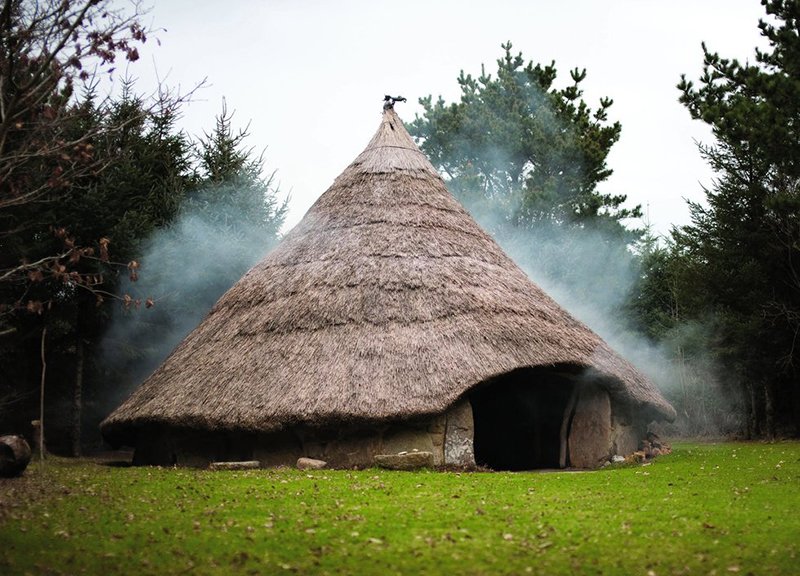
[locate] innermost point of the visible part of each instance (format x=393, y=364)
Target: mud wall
x=447, y=436
x=598, y=428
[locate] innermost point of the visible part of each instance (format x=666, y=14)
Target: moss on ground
x=706, y=509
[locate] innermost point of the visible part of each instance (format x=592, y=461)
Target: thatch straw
x=387, y=301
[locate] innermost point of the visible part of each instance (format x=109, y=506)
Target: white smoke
x=185, y=269
x=592, y=272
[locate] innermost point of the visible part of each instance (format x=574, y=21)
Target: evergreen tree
x=232, y=193
x=54, y=248
x=525, y=158
x=652, y=306
x=46, y=48
x=145, y=171
x=742, y=249
x=536, y=151
x=230, y=218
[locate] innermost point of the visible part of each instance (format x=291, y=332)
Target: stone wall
x=589, y=440
x=598, y=430
x=159, y=446
x=627, y=430
x=601, y=428
x=447, y=436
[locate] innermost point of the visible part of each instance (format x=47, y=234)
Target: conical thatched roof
x=386, y=301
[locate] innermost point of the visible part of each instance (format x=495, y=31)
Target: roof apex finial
x=388, y=101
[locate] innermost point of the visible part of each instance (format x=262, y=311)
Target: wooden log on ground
x=15, y=454
x=245, y=465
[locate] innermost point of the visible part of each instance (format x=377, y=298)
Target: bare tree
x=46, y=48
x=49, y=51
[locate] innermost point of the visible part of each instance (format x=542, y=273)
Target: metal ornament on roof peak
x=388, y=101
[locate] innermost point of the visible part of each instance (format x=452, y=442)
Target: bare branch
x=25, y=267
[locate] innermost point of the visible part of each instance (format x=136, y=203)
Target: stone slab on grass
x=405, y=460
x=310, y=464
x=245, y=465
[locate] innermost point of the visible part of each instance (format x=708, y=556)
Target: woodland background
x=118, y=231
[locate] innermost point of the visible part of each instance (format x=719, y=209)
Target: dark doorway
x=518, y=419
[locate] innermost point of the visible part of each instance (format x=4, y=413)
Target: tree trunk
x=769, y=410
x=40, y=439
x=796, y=405
x=77, y=400
x=750, y=410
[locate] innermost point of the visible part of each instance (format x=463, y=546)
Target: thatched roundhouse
x=387, y=320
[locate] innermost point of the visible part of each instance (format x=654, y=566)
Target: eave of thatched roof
x=387, y=301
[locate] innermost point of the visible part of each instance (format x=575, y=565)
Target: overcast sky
x=309, y=76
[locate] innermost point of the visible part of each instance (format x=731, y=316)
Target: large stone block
x=405, y=460
x=437, y=428
x=356, y=450
x=627, y=431
x=625, y=438
x=590, y=432
x=402, y=439
x=310, y=464
x=459, y=433
x=437, y=424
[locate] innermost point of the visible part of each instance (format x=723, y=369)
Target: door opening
x=522, y=419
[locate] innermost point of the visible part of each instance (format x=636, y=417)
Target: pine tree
x=525, y=157
x=742, y=247
x=110, y=212
x=536, y=152
x=230, y=217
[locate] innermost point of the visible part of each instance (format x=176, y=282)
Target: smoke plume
x=185, y=268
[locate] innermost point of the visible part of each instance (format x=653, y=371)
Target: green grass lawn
x=731, y=508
